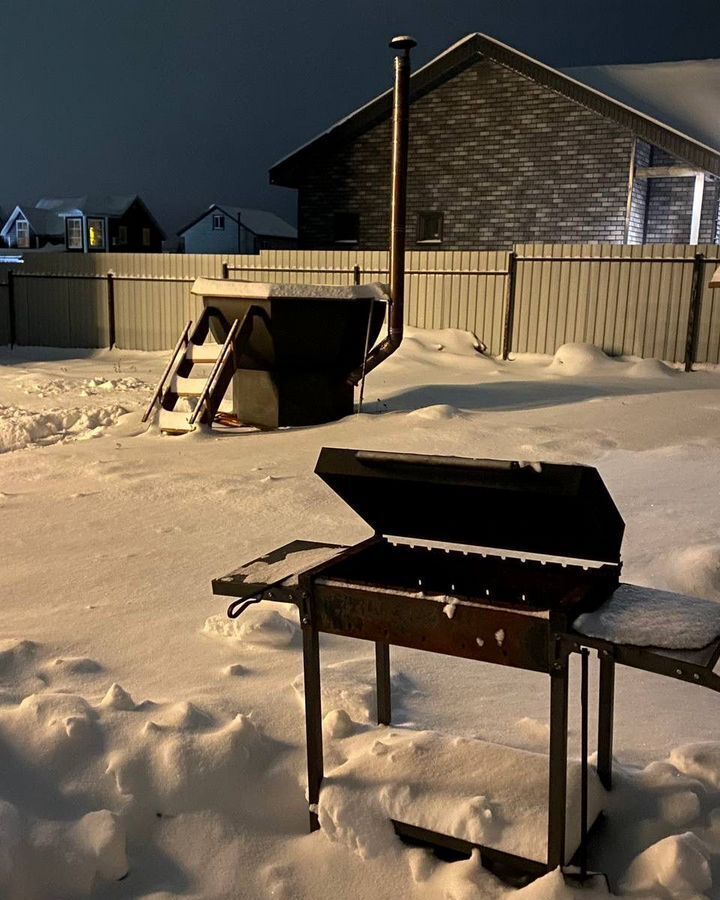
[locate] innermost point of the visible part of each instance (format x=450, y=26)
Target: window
x=122, y=234
x=346, y=228
x=218, y=222
x=74, y=234
x=22, y=233
x=430, y=227
x=96, y=234
x=146, y=237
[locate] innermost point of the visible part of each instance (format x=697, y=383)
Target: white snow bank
x=260, y=290
x=81, y=781
x=257, y=625
x=651, y=618
x=553, y=887
x=700, y=761
x=85, y=387
x=482, y=792
x=581, y=359
x=350, y=686
x=21, y=428
x=679, y=864
x=695, y=570
x=449, y=340
x=589, y=360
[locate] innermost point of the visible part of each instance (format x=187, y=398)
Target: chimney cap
x=403, y=42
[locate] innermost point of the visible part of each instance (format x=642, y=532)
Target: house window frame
x=26, y=240
x=218, y=222
x=70, y=220
x=348, y=215
x=93, y=222
x=146, y=237
x=122, y=235
x=422, y=218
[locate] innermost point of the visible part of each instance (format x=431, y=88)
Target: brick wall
x=505, y=159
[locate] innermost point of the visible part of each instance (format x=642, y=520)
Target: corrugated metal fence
x=634, y=300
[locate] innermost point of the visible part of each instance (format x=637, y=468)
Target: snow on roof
x=89, y=204
x=260, y=221
x=684, y=94
x=42, y=221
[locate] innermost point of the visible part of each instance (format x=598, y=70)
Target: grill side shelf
x=273, y=576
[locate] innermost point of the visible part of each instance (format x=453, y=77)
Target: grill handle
x=390, y=461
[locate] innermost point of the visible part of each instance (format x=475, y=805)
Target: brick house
x=504, y=149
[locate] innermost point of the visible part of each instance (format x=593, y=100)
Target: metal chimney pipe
x=400, y=121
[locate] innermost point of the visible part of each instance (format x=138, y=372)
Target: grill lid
x=542, y=508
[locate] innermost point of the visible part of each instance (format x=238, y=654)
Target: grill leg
x=382, y=677
x=313, y=719
x=606, y=713
x=557, y=793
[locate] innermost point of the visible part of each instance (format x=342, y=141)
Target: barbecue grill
x=491, y=560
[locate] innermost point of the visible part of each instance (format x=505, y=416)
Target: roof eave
x=465, y=53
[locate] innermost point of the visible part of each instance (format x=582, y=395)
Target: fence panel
x=628, y=300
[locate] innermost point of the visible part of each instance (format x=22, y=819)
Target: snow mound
x=580, y=359
x=438, y=413
x=651, y=368
x=350, y=686
x=422, y=778
x=87, y=387
x=696, y=570
x=700, y=761
x=21, y=428
x=651, y=618
x=552, y=887
x=678, y=865
x=257, y=625
x=448, y=340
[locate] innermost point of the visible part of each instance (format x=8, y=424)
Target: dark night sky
x=190, y=101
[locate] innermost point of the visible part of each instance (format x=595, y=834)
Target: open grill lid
x=539, y=508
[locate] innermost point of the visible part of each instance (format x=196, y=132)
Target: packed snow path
x=142, y=734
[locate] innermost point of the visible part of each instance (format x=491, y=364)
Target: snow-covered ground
x=135, y=738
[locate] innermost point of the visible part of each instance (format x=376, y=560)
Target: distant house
x=223, y=228
x=89, y=224
x=30, y=228
x=505, y=149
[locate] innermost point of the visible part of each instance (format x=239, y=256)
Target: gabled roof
x=470, y=50
x=95, y=205
x=42, y=221
x=261, y=222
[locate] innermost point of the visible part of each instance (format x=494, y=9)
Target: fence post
x=509, y=304
x=12, y=321
x=111, y=309
x=225, y=271
x=696, y=293
x=356, y=274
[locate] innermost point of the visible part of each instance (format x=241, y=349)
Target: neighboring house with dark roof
x=29, y=228
x=88, y=224
x=223, y=228
x=101, y=224
x=504, y=149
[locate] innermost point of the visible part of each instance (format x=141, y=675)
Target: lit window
x=74, y=234
x=146, y=237
x=430, y=227
x=22, y=233
x=122, y=234
x=346, y=228
x=96, y=234
x=218, y=223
